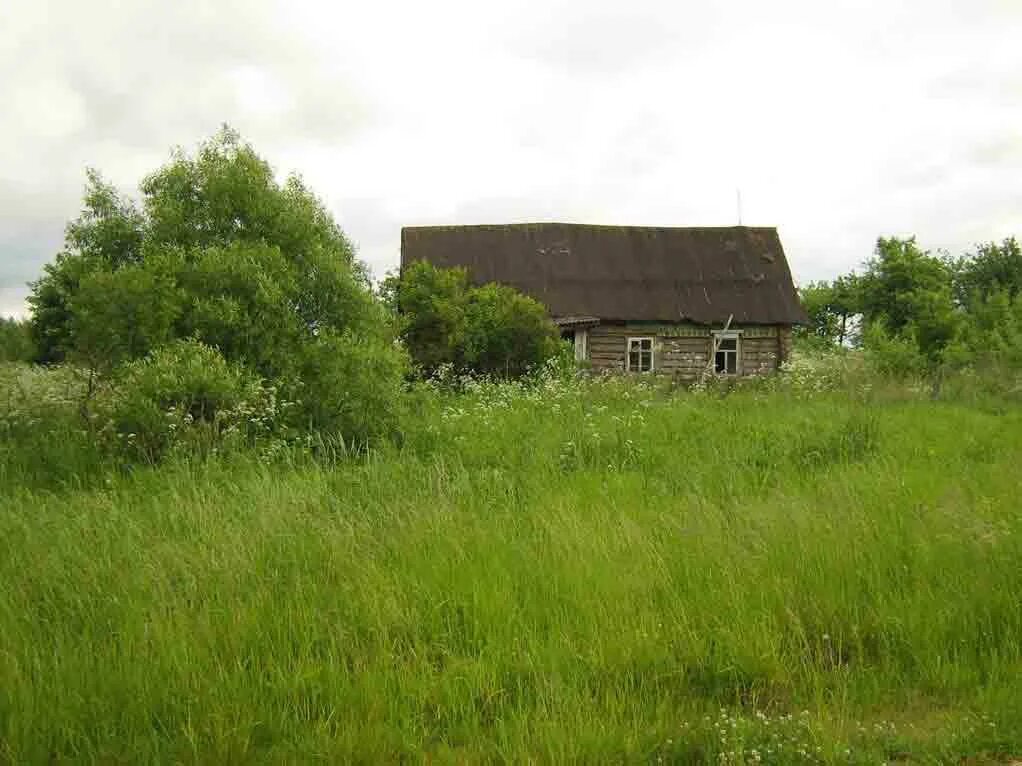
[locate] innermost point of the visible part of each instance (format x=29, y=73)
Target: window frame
x=652, y=353
x=581, y=344
x=715, y=339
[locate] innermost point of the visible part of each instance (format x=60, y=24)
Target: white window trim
x=581, y=345
x=652, y=353
x=717, y=337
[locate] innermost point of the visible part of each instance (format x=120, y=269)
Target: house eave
x=576, y=322
x=696, y=322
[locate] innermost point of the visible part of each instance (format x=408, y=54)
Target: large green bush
x=351, y=388
x=432, y=304
x=184, y=393
x=221, y=253
x=507, y=334
x=491, y=330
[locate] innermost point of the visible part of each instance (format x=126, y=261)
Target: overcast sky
x=839, y=121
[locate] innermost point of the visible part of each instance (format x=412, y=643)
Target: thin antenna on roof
x=739, y=193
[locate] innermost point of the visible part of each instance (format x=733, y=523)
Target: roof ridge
x=524, y=224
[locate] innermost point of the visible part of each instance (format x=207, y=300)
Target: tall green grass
x=561, y=573
x=44, y=439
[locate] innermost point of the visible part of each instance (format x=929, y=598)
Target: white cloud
x=839, y=121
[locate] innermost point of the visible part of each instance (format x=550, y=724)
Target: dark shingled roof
x=632, y=273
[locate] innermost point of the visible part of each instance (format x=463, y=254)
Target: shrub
x=897, y=356
x=184, y=393
x=490, y=330
x=221, y=253
x=432, y=304
x=507, y=334
x=350, y=389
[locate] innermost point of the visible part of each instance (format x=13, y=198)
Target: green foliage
x=123, y=314
x=351, y=388
x=898, y=279
x=994, y=268
x=488, y=330
x=44, y=441
x=15, y=340
x=240, y=299
x=107, y=235
x=811, y=371
x=218, y=252
x=50, y=303
x=832, y=307
x=897, y=356
x=507, y=334
x=815, y=298
x=432, y=304
x=907, y=292
x=923, y=314
x=182, y=393
x=110, y=228
x=991, y=333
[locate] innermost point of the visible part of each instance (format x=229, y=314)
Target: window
x=640, y=354
x=725, y=359
x=581, y=345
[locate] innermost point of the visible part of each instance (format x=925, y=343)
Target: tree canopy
x=908, y=301
x=217, y=251
x=993, y=268
x=489, y=330
x=832, y=308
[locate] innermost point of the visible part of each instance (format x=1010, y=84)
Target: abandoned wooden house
x=681, y=301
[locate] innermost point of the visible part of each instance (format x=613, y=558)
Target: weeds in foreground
x=562, y=571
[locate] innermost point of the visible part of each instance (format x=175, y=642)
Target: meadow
x=793, y=571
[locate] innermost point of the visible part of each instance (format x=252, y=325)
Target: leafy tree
x=352, y=387
x=832, y=308
x=123, y=314
x=907, y=292
x=921, y=313
x=110, y=228
x=991, y=333
x=893, y=355
x=846, y=304
x=895, y=278
x=216, y=251
x=992, y=269
x=107, y=235
x=507, y=333
x=243, y=299
x=491, y=330
x=816, y=299
x=432, y=304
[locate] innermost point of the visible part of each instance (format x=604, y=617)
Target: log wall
x=683, y=350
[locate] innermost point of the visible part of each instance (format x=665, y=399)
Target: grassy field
x=600, y=572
